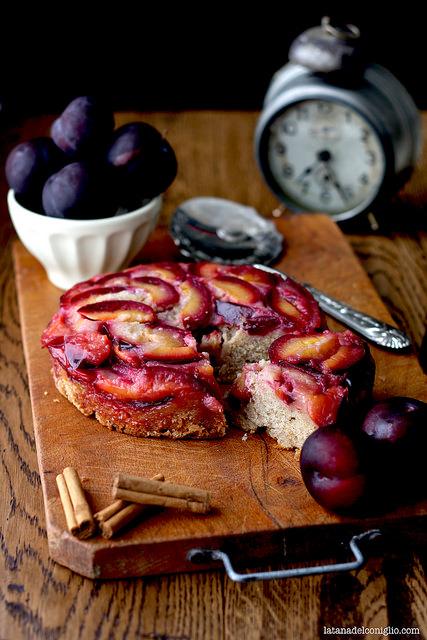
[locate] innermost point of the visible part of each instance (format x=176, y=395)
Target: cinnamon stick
x=120, y=513
x=145, y=491
x=120, y=519
x=67, y=505
x=161, y=501
x=110, y=511
x=81, y=509
x=145, y=485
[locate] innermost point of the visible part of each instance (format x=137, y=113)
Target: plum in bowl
x=84, y=200
x=72, y=250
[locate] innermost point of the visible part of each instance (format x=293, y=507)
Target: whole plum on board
x=143, y=162
x=398, y=421
x=28, y=166
x=332, y=469
x=84, y=127
x=394, y=436
x=78, y=191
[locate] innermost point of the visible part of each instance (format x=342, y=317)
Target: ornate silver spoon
x=376, y=331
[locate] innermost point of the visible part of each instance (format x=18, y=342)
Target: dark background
x=184, y=56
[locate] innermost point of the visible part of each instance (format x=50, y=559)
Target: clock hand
x=334, y=180
x=306, y=172
x=324, y=158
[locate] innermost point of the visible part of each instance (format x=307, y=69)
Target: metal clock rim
x=327, y=94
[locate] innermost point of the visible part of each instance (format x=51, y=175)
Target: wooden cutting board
x=260, y=503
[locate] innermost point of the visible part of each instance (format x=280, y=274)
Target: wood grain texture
x=40, y=599
x=251, y=498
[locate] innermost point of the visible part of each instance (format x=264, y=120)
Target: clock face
x=325, y=157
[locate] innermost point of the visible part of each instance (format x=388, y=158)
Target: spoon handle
x=376, y=331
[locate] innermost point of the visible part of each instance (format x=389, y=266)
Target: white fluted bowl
x=74, y=250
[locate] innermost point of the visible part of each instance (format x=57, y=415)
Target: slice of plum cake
x=311, y=380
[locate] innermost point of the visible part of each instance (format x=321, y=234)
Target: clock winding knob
x=328, y=48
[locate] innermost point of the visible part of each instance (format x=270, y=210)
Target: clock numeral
x=364, y=179
x=372, y=158
x=348, y=116
x=365, y=135
x=325, y=195
x=280, y=148
x=325, y=107
x=305, y=188
x=303, y=113
x=290, y=128
x=288, y=171
x=348, y=193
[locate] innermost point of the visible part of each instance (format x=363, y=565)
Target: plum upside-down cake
x=166, y=349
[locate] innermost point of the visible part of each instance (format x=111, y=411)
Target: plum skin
x=377, y=463
x=143, y=163
x=77, y=191
x=28, y=166
x=398, y=420
x=394, y=437
x=332, y=469
x=85, y=126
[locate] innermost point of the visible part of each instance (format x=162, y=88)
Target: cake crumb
x=56, y=400
x=45, y=393
x=245, y=436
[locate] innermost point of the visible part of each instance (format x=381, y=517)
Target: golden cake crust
x=167, y=422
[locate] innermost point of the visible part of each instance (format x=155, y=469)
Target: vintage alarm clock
x=336, y=134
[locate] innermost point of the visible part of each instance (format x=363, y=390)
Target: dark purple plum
x=84, y=128
x=78, y=191
x=397, y=421
x=131, y=142
x=143, y=161
x=163, y=170
x=29, y=165
x=332, y=469
x=394, y=436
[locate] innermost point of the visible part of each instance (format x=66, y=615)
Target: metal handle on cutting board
x=203, y=556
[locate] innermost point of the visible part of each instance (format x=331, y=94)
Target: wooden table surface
x=40, y=599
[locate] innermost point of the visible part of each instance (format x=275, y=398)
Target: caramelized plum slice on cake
x=80, y=350
x=172, y=272
x=248, y=273
x=308, y=348
x=196, y=309
x=326, y=351
x=146, y=384
x=296, y=306
x=121, y=310
x=162, y=295
x=134, y=343
x=169, y=271
x=351, y=350
x=231, y=289
x=91, y=295
x=150, y=289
